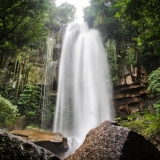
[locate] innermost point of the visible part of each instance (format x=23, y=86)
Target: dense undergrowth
x=142, y=122
x=28, y=103
x=8, y=113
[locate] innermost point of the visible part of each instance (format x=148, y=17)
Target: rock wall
x=131, y=90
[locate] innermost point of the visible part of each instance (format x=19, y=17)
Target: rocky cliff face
x=131, y=90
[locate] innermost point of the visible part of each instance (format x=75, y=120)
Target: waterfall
x=84, y=88
x=48, y=79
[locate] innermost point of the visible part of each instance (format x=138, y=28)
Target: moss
x=144, y=123
x=32, y=127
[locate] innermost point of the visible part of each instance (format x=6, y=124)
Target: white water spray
x=84, y=89
x=48, y=79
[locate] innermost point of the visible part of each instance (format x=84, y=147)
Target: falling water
x=48, y=81
x=84, y=90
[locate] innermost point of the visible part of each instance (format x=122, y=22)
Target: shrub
x=154, y=87
x=145, y=123
x=8, y=113
x=28, y=104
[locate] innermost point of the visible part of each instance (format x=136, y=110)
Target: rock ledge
x=13, y=147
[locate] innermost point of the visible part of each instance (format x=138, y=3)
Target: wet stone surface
x=112, y=142
x=14, y=148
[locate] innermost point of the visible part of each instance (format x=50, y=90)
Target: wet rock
x=13, y=147
x=54, y=142
x=112, y=142
x=20, y=123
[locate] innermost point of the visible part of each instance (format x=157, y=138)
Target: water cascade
x=48, y=78
x=84, y=88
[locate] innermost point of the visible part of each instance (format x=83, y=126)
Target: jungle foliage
x=27, y=23
x=133, y=25
x=29, y=104
x=24, y=27
x=154, y=88
x=142, y=122
x=8, y=113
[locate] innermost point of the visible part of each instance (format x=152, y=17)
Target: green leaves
x=157, y=107
x=144, y=15
x=154, y=81
x=28, y=103
x=145, y=123
x=65, y=13
x=154, y=87
x=112, y=58
x=13, y=15
x=134, y=25
x=8, y=112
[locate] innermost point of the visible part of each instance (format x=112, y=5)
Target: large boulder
x=112, y=142
x=13, y=147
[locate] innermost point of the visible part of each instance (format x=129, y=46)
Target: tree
x=27, y=23
x=102, y=15
x=16, y=16
x=89, y=16
x=21, y=22
x=65, y=13
x=144, y=16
